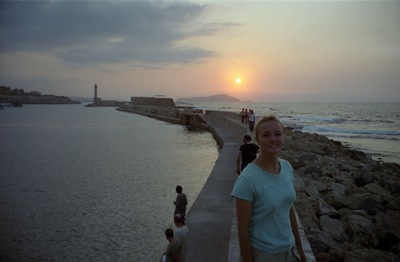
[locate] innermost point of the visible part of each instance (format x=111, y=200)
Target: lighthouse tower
x=95, y=92
x=96, y=100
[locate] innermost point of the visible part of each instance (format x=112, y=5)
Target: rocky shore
x=348, y=203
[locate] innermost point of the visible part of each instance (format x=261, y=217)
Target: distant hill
x=215, y=98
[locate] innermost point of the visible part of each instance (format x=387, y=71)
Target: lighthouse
x=95, y=93
x=96, y=100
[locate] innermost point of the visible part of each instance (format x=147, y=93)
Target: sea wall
x=228, y=121
x=164, y=113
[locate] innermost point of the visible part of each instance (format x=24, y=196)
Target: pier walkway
x=212, y=217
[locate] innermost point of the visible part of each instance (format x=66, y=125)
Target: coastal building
x=19, y=96
x=152, y=101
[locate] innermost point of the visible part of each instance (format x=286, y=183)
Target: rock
x=299, y=183
x=387, y=229
x=369, y=255
x=312, y=192
x=322, y=208
x=334, y=228
x=363, y=179
x=395, y=249
x=378, y=190
x=337, y=188
x=393, y=204
x=317, y=185
x=320, y=241
x=336, y=199
x=372, y=205
x=322, y=257
x=392, y=186
x=356, y=225
x=356, y=155
x=305, y=210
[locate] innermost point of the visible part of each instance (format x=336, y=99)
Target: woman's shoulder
x=250, y=171
x=286, y=167
x=284, y=162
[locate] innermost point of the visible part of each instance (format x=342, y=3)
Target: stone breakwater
x=348, y=203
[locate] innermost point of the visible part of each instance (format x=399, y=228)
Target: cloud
x=105, y=32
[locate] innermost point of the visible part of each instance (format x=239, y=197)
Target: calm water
x=373, y=128
x=93, y=184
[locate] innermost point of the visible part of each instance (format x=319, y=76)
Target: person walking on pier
x=247, y=153
x=181, y=236
x=264, y=197
x=180, y=203
x=251, y=120
x=242, y=115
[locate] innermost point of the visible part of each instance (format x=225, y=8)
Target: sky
x=282, y=51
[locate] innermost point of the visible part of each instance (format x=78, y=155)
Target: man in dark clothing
x=180, y=203
x=247, y=153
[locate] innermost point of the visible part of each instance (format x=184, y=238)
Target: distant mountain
x=215, y=98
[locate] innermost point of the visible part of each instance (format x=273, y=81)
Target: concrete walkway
x=212, y=217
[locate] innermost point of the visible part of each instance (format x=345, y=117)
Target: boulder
x=320, y=241
x=387, y=229
x=337, y=188
x=336, y=199
x=334, y=228
x=322, y=208
x=363, y=179
x=357, y=226
x=372, y=205
x=378, y=190
x=369, y=255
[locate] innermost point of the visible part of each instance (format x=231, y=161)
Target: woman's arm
x=243, y=214
x=295, y=230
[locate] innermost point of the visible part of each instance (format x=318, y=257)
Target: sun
x=238, y=80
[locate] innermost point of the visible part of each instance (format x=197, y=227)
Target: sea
x=373, y=128
x=93, y=184
x=96, y=184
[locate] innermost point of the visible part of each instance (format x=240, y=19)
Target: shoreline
x=348, y=203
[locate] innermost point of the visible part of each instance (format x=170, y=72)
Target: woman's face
x=270, y=137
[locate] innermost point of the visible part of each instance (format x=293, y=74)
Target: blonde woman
x=264, y=196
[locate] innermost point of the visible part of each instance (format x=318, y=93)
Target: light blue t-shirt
x=272, y=196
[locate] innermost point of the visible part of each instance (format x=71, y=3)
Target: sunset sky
x=322, y=51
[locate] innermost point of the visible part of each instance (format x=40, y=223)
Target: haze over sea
x=82, y=184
